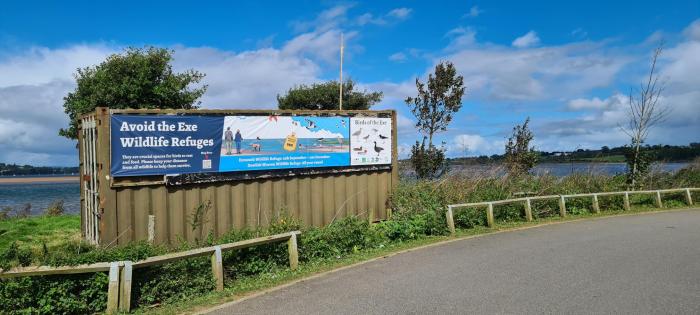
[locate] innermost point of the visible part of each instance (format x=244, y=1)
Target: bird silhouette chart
x=370, y=141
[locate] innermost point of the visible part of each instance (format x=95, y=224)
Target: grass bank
x=34, y=232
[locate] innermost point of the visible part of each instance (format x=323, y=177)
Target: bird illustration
x=382, y=137
x=357, y=133
x=342, y=122
x=365, y=137
x=311, y=124
x=357, y=149
x=374, y=130
x=377, y=149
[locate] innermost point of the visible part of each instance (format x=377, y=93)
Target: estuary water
x=41, y=195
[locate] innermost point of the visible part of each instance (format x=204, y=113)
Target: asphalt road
x=643, y=264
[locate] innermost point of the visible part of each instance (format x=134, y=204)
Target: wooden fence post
x=450, y=220
x=217, y=268
x=688, y=197
x=125, y=287
x=596, y=206
x=627, y=201
x=293, y=252
x=489, y=215
x=113, y=288
x=659, y=204
x=151, y=229
x=562, y=206
x=389, y=213
x=528, y=210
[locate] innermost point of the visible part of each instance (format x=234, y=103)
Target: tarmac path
x=639, y=264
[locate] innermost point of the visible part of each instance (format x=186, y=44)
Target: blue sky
x=568, y=65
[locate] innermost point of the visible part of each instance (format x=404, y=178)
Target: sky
x=569, y=66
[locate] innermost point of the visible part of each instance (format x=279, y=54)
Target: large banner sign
x=165, y=144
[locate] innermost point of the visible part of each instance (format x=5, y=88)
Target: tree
x=428, y=162
x=137, y=78
x=433, y=108
x=435, y=105
x=520, y=157
x=645, y=110
x=324, y=96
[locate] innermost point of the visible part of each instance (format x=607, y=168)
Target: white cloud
x=596, y=103
x=368, y=18
x=324, y=45
x=326, y=20
x=460, y=37
x=395, y=15
x=692, y=32
x=247, y=79
x=400, y=13
x=495, y=72
x=474, y=144
x=579, y=33
x=528, y=40
x=34, y=83
x=398, y=57
x=39, y=65
x=474, y=12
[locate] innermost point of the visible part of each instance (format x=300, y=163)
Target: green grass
x=35, y=231
x=234, y=290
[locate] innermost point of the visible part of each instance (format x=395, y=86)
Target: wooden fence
x=562, y=202
x=121, y=272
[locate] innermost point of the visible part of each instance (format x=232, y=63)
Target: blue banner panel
x=170, y=144
x=160, y=144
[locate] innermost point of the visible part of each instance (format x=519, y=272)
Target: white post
x=151, y=228
x=217, y=268
x=659, y=204
x=489, y=215
x=113, y=288
x=341, y=71
x=450, y=220
x=562, y=206
x=596, y=206
x=528, y=209
x=688, y=197
x=293, y=252
x=125, y=287
x=627, y=201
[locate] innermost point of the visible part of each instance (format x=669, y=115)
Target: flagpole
x=341, y=71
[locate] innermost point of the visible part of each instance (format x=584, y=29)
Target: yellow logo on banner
x=290, y=144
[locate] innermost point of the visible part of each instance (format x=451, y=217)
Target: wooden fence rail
x=562, y=202
x=121, y=272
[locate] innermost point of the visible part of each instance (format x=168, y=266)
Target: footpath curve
x=626, y=264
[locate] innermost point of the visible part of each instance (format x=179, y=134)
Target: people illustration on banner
x=228, y=140
x=238, y=139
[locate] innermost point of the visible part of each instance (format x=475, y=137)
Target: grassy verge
x=33, y=232
x=235, y=290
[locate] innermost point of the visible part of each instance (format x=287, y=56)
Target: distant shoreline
x=29, y=180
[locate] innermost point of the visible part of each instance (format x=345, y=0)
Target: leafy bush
x=55, y=208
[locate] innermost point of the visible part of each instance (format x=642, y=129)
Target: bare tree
x=644, y=112
x=435, y=105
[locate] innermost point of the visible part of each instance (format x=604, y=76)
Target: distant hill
x=23, y=170
x=660, y=153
